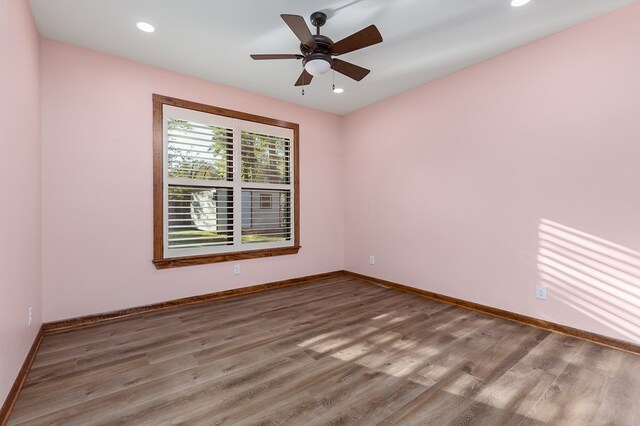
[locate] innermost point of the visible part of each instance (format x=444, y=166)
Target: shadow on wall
x=594, y=276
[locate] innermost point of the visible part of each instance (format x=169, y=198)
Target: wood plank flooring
x=336, y=351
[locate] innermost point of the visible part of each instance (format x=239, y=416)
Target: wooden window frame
x=162, y=262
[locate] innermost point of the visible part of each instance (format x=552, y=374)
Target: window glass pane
x=265, y=159
x=266, y=216
x=200, y=217
x=199, y=151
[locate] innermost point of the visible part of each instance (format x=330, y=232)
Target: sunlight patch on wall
x=596, y=277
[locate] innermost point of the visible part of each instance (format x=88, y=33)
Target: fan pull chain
x=303, y=79
x=333, y=74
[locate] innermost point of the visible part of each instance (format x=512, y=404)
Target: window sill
x=176, y=262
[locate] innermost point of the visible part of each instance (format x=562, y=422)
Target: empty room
x=367, y=212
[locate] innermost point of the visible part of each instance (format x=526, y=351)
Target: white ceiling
x=212, y=39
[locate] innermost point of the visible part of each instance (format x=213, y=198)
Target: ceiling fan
x=319, y=51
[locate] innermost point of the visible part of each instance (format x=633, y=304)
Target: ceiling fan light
x=317, y=67
x=518, y=3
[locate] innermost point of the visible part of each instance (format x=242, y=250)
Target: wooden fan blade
x=300, y=29
x=277, y=56
x=363, y=38
x=350, y=70
x=304, y=79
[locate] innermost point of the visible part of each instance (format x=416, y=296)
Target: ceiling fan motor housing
x=321, y=51
x=323, y=45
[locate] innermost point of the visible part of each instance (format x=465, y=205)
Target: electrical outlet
x=541, y=292
x=372, y=260
x=236, y=269
x=30, y=316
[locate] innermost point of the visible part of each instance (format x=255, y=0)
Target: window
x=225, y=185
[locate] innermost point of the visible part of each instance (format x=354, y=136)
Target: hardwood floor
x=336, y=351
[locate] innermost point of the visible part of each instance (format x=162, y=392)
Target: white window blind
x=228, y=184
x=266, y=204
x=265, y=159
x=199, y=151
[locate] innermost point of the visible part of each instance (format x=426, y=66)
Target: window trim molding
x=159, y=260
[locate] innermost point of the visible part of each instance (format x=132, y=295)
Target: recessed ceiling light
x=338, y=90
x=146, y=27
x=518, y=3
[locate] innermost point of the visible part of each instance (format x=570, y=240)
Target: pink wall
x=20, y=280
x=520, y=170
x=97, y=186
